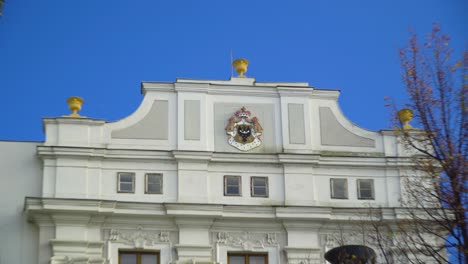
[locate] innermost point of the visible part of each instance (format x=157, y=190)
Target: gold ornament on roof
x=240, y=65
x=74, y=104
x=405, y=116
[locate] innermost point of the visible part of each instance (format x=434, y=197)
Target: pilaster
x=194, y=240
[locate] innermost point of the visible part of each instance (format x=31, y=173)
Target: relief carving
x=140, y=238
x=247, y=240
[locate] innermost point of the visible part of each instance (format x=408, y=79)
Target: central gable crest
x=244, y=131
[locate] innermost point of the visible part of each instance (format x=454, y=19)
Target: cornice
x=299, y=158
x=241, y=87
x=44, y=210
x=326, y=94
x=317, y=213
x=324, y=158
x=295, y=91
x=200, y=210
x=102, y=153
x=75, y=121
x=157, y=87
x=245, y=158
x=193, y=155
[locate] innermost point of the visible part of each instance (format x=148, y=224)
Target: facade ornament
x=164, y=237
x=245, y=133
x=74, y=104
x=240, y=65
x=405, y=116
x=141, y=238
x=271, y=239
x=246, y=240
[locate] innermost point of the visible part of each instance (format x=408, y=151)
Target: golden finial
x=405, y=116
x=241, y=66
x=74, y=104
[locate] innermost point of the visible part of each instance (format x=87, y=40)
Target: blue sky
x=102, y=50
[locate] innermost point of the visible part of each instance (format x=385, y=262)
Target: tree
x=436, y=198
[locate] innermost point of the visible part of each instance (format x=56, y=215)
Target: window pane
x=366, y=194
x=149, y=259
x=232, y=180
x=259, y=190
x=126, y=187
x=126, y=177
x=365, y=188
x=154, y=178
x=365, y=185
x=154, y=188
x=232, y=190
x=259, y=181
x=257, y=260
x=128, y=258
x=339, y=188
x=236, y=260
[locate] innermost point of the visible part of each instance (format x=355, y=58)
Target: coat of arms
x=244, y=132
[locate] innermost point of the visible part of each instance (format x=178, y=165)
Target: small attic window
x=339, y=188
x=365, y=189
x=126, y=182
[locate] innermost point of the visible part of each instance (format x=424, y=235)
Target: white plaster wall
x=20, y=174
x=289, y=184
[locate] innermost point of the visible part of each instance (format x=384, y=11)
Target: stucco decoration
x=246, y=240
x=140, y=238
x=245, y=133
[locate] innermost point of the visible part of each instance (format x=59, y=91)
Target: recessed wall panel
x=192, y=120
x=296, y=124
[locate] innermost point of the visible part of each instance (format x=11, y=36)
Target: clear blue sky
x=102, y=50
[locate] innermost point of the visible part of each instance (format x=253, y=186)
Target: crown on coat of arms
x=243, y=113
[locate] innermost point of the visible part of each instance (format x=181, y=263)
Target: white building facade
x=234, y=171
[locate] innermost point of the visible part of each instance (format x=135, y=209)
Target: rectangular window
x=339, y=188
x=138, y=257
x=232, y=186
x=259, y=186
x=365, y=189
x=154, y=183
x=247, y=258
x=126, y=182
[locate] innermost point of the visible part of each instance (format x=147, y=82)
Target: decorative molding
x=139, y=238
x=248, y=241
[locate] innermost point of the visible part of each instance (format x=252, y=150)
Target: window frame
x=139, y=253
x=252, y=189
x=246, y=256
x=119, y=174
x=359, y=189
x=332, y=189
x=226, y=185
x=147, y=183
